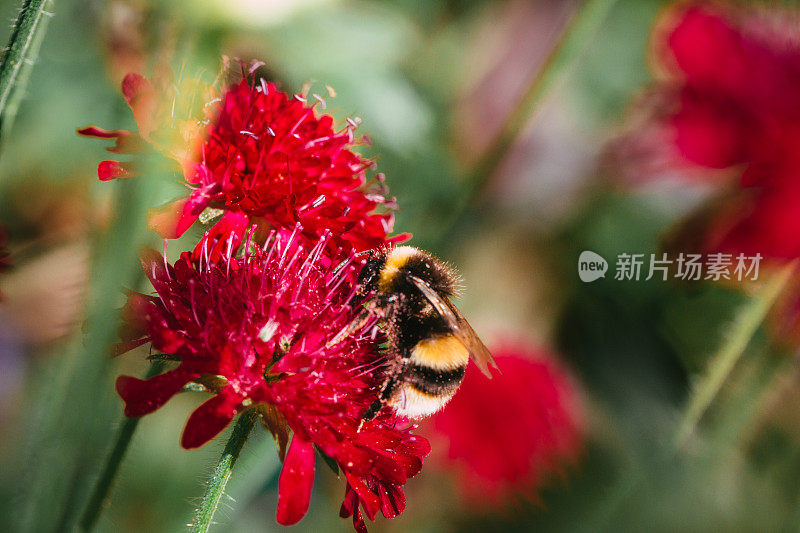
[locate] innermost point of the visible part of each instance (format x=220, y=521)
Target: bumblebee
x=429, y=341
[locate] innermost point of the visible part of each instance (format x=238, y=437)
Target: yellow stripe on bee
x=394, y=262
x=440, y=353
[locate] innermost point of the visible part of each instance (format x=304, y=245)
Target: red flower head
x=270, y=157
x=264, y=332
x=731, y=100
x=508, y=434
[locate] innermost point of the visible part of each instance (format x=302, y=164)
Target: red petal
x=416, y=445
x=216, y=241
x=350, y=507
x=134, y=317
x=358, y=522
x=109, y=170
x=400, y=238
x=133, y=85
x=208, y=420
x=142, y=100
x=154, y=265
x=142, y=397
x=769, y=228
x=127, y=142
x=349, y=503
x=711, y=133
x=709, y=50
x=393, y=501
x=369, y=499
x=200, y=198
x=296, y=481
x=100, y=133
x=171, y=220
x=123, y=347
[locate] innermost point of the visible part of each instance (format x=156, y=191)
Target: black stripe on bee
x=432, y=381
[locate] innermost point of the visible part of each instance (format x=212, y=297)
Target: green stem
x=722, y=362
x=103, y=487
x=571, y=45
x=575, y=39
x=67, y=447
x=222, y=472
x=19, y=56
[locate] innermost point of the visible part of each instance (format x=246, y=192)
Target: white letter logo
x=591, y=266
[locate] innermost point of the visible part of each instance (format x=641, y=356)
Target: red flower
x=260, y=332
x=508, y=434
x=734, y=85
x=268, y=156
x=739, y=103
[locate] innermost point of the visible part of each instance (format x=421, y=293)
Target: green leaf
x=330, y=461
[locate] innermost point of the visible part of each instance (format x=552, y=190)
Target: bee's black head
x=370, y=273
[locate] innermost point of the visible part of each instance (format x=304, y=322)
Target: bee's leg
x=395, y=355
x=386, y=393
x=393, y=379
x=358, y=322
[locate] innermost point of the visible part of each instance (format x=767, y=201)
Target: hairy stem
x=222, y=472
x=573, y=42
x=19, y=56
x=103, y=487
x=722, y=362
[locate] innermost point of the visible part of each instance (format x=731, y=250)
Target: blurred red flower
x=262, y=332
x=734, y=82
x=264, y=154
x=509, y=434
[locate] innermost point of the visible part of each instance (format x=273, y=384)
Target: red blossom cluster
x=269, y=155
x=265, y=155
x=731, y=100
x=508, y=435
x=266, y=326
x=263, y=332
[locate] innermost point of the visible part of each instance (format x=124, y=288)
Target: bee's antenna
x=347, y=261
x=340, y=266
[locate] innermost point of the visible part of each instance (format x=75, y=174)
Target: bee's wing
x=459, y=325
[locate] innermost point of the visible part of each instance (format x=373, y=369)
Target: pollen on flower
x=268, y=331
x=273, y=157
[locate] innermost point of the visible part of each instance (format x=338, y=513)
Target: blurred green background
x=434, y=84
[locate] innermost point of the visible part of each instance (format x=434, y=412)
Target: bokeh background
x=493, y=122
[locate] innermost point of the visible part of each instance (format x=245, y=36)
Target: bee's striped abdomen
x=442, y=352
x=434, y=382
x=432, y=375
